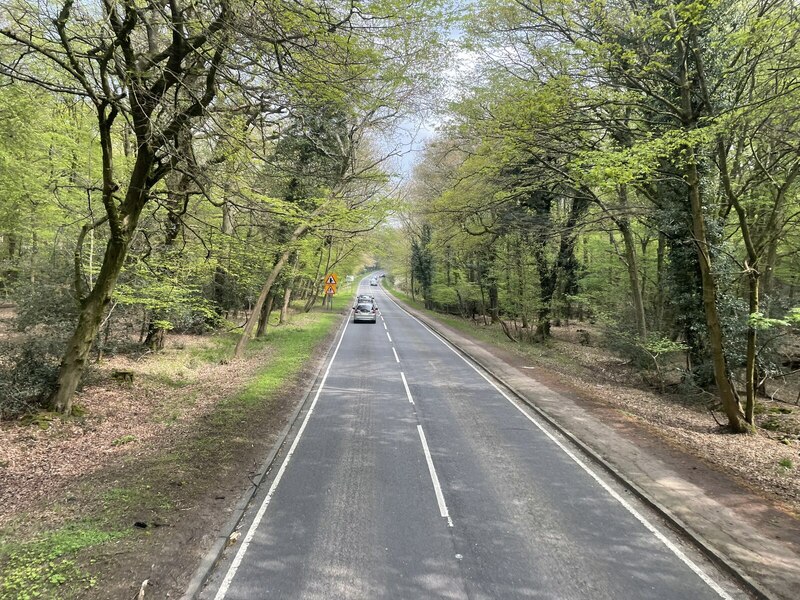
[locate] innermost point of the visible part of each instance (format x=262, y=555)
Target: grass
x=46, y=567
x=125, y=439
x=542, y=353
x=56, y=560
x=292, y=346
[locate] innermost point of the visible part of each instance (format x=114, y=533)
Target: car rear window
x=365, y=307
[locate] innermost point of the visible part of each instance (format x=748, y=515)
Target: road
x=411, y=475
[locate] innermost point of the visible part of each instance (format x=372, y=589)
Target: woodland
x=177, y=177
x=181, y=166
x=632, y=166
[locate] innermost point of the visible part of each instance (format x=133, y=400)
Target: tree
x=159, y=78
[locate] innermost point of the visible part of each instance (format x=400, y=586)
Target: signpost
x=331, y=283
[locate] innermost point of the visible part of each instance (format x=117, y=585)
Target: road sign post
x=329, y=291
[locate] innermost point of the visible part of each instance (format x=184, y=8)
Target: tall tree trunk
x=287, y=293
x=123, y=221
x=313, y=288
x=287, y=296
x=659, y=290
x=727, y=394
x=263, y=319
x=632, y=264
x=276, y=270
x=521, y=282
x=494, y=308
x=252, y=320
x=725, y=389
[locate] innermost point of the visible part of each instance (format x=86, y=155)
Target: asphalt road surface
x=411, y=475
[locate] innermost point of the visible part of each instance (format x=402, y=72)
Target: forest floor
x=94, y=505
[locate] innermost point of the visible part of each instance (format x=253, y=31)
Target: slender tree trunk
x=313, y=289
x=521, y=283
x=632, y=264
x=727, y=394
x=263, y=319
x=494, y=308
x=252, y=320
x=287, y=293
x=287, y=296
x=659, y=291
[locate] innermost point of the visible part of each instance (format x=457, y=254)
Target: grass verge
x=541, y=354
x=137, y=512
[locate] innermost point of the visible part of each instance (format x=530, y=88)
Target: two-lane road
x=413, y=476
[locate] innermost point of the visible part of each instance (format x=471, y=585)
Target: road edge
x=711, y=552
x=214, y=554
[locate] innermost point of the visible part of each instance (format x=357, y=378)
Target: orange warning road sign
x=330, y=288
x=332, y=279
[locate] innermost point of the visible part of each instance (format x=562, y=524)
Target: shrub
x=28, y=373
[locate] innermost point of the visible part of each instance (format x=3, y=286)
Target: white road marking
x=223, y=589
x=395, y=355
x=436, y=487
x=635, y=513
x=405, y=385
x=384, y=325
x=387, y=335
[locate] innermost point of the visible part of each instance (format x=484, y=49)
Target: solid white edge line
x=396, y=358
x=636, y=514
x=405, y=384
x=434, y=478
x=223, y=589
x=387, y=335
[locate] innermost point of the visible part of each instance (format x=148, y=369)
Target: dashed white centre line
x=635, y=513
x=405, y=385
x=395, y=355
x=436, y=487
x=385, y=327
x=387, y=335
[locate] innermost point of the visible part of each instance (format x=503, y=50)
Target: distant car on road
x=365, y=298
x=365, y=312
x=373, y=281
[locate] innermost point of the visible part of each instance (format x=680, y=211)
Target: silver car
x=365, y=312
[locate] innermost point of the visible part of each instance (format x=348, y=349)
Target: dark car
x=365, y=312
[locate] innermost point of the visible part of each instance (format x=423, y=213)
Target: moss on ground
x=46, y=565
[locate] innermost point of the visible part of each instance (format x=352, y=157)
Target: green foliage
x=46, y=566
x=125, y=439
x=761, y=322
